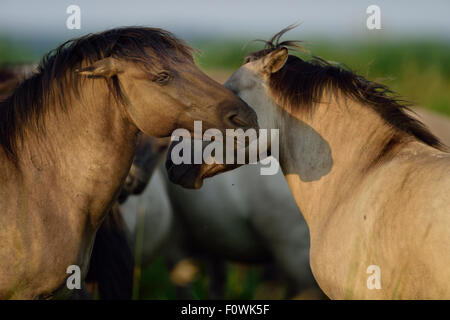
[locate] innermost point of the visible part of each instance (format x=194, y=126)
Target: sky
x=189, y=19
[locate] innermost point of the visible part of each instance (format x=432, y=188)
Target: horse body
x=371, y=181
x=68, y=136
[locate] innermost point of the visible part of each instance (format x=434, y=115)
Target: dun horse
x=371, y=181
x=68, y=135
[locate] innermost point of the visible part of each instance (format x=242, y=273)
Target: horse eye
x=162, y=77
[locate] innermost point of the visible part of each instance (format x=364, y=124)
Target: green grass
x=155, y=282
x=12, y=53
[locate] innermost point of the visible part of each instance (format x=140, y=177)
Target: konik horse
x=68, y=135
x=371, y=181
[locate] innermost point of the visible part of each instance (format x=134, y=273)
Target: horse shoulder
x=397, y=218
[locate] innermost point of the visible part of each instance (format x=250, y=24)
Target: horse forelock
x=55, y=81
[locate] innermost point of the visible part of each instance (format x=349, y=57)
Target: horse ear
x=106, y=67
x=275, y=60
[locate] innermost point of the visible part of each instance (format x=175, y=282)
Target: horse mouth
x=185, y=175
x=191, y=175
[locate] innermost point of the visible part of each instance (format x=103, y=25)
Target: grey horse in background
x=238, y=216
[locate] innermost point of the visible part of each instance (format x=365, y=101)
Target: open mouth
x=185, y=175
x=191, y=175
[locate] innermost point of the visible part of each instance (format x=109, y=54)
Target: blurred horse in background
x=227, y=221
x=12, y=75
x=224, y=221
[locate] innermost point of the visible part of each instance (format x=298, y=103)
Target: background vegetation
x=418, y=71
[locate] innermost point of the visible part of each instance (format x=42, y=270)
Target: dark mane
x=55, y=80
x=300, y=85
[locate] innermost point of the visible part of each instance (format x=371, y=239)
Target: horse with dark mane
x=372, y=182
x=67, y=137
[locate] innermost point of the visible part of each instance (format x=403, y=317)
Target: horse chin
x=191, y=176
x=215, y=169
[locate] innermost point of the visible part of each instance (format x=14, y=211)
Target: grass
x=243, y=281
x=13, y=53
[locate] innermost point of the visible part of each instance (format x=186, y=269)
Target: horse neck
x=84, y=153
x=326, y=154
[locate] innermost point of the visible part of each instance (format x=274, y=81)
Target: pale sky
x=250, y=18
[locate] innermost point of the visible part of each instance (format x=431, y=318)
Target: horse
x=372, y=181
x=112, y=263
x=68, y=135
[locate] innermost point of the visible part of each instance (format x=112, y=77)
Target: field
x=418, y=71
